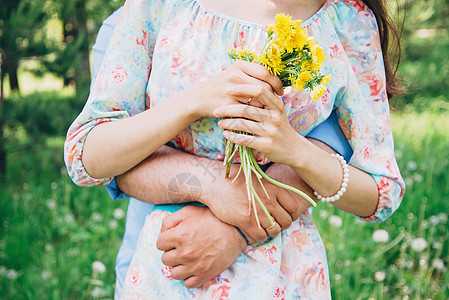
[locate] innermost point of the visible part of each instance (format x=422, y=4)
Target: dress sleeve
x=119, y=90
x=364, y=114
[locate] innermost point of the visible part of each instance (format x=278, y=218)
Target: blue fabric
x=329, y=132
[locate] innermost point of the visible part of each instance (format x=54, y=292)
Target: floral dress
x=161, y=47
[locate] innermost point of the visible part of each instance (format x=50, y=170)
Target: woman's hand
x=214, y=92
x=271, y=131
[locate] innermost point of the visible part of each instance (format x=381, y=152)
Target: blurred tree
x=80, y=20
x=21, y=35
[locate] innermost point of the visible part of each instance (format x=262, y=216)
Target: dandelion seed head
x=442, y=217
x=53, y=185
x=434, y=220
x=337, y=277
x=51, y=204
x=409, y=181
x=25, y=186
x=335, y=221
x=11, y=274
x=98, y=292
x=48, y=247
x=45, y=274
x=379, y=276
x=423, y=263
x=113, y=224
x=398, y=154
x=424, y=224
x=438, y=264
x=98, y=267
x=323, y=214
x=410, y=216
x=69, y=218
x=412, y=165
x=418, y=177
x=437, y=245
x=380, y=236
x=97, y=217
x=118, y=213
x=419, y=244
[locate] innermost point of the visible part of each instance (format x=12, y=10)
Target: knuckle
x=187, y=254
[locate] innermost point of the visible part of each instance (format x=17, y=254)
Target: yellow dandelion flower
x=318, y=56
x=301, y=80
x=272, y=60
x=318, y=90
x=283, y=25
x=300, y=38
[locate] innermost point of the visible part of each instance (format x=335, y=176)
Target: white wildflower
x=379, y=276
x=113, y=224
x=335, y=221
x=51, y=204
x=53, y=185
x=409, y=181
x=418, y=177
x=98, y=292
x=439, y=264
x=97, y=217
x=69, y=218
x=98, y=267
x=97, y=282
x=434, y=220
x=442, y=217
x=323, y=214
x=412, y=165
x=118, y=213
x=437, y=245
x=419, y=244
x=45, y=274
x=11, y=274
x=381, y=236
x=423, y=263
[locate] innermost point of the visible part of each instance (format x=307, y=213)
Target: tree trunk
x=2, y=151
x=2, y=102
x=13, y=80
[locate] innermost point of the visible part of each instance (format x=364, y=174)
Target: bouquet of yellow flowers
x=296, y=59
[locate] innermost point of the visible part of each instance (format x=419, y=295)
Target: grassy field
x=51, y=231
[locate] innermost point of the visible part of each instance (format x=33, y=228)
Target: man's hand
x=291, y=202
x=197, y=245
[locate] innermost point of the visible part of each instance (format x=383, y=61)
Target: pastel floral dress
x=161, y=47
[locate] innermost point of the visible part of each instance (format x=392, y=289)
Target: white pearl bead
x=344, y=185
x=345, y=180
x=343, y=190
x=337, y=197
x=315, y=193
x=339, y=194
x=346, y=175
x=332, y=199
x=319, y=197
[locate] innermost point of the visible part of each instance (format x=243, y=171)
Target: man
x=197, y=253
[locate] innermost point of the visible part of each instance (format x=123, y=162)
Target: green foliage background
x=51, y=231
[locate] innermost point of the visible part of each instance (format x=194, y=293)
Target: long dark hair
x=389, y=33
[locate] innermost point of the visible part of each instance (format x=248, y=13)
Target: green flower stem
x=280, y=184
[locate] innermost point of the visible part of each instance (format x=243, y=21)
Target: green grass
x=51, y=231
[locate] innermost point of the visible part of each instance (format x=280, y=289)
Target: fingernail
x=216, y=112
x=219, y=123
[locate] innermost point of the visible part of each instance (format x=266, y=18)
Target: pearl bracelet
x=344, y=184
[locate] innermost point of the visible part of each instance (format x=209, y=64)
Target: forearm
x=324, y=174
x=149, y=181
x=112, y=148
